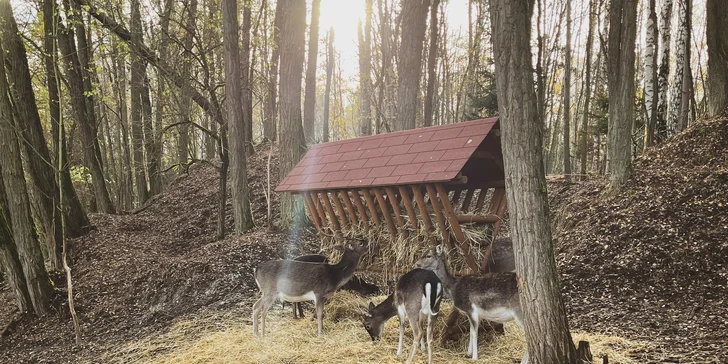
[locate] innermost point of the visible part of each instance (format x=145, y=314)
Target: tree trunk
x=309, y=103
x=651, y=99
x=620, y=68
x=587, y=85
x=414, y=23
x=137, y=87
x=365, y=71
x=292, y=144
x=717, y=37
x=269, y=126
x=329, y=73
x=664, y=71
x=247, y=81
x=9, y=261
x=150, y=139
x=544, y=321
x=39, y=286
x=162, y=99
x=431, y=62
x=235, y=118
x=183, y=151
x=126, y=189
x=567, y=93
x=675, y=121
x=687, y=90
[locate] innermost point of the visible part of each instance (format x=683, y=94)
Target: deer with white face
x=295, y=281
x=417, y=296
x=493, y=297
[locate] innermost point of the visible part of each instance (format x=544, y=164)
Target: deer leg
x=474, y=323
x=429, y=339
x=320, y=314
x=256, y=312
x=422, y=321
x=401, y=314
x=416, y=336
x=265, y=306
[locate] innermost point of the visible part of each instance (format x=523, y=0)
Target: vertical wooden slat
x=468, y=199
x=330, y=211
x=481, y=199
x=455, y=225
x=360, y=207
x=423, y=208
x=392, y=197
x=370, y=204
x=385, y=211
x=456, y=196
x=340, y=210
x=312, y=211
x=349, y=207
x=500, y=212
x=407, y=201
x=495, y=201
x=439, y=214
x=319, y=208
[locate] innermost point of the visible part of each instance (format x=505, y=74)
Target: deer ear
x=438, y=249
x=371, y=306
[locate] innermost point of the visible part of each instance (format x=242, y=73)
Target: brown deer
x=417, y=296
x=493, y=297
x=294, y=281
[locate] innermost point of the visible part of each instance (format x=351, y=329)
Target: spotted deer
x=417, y=296
x=295, y=281
x=493, y=297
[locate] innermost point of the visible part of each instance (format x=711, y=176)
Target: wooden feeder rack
x=396, y=179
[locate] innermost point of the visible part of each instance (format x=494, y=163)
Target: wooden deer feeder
x=398, y=178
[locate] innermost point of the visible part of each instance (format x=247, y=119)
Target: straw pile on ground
x=226, y=337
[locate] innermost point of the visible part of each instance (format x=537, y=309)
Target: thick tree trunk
x=663, y=72
x=621, y=68
x=431, y=63
x=414, y=24
x=292, y=144
x=567, y=93
x=717, y=37
x=329, y=73
x=365, y=72
x=686, y=96
x=309, y=103
x=675, y=119
x=247, y=81
x=40, y=289
x=545, y=322
x=183, y=142
x=137, y=87
x=651, y=99
x=583, y=150
x=235, y=118
x=270, y=130
x=9, y=261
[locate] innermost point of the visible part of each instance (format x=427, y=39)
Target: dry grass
x=227, y=338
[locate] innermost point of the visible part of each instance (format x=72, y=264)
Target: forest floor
x=649, y=263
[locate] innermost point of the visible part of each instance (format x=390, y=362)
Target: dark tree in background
x=545, y=322
x=409, y=68
x=365, y=71
x=717, y=34
x=309, y=103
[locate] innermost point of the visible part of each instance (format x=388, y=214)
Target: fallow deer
x=493, y=296
x=294, y=281
x=417, y=296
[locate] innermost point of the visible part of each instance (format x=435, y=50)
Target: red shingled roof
x=433, y=154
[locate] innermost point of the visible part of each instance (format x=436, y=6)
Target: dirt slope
x=651, y=262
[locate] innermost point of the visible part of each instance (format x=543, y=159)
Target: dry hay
x=227, y=338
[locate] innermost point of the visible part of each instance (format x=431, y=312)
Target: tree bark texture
x=137, y=87
x=9, y=261
x=309, y=103
x=234, y=95
x=365, y=72
x=545, y=322
x=329, y=74
x=621, y=68
x=717, y=37
x=651, y=99
x=292, y=144
x=664, y=71
x=431, y=64
x=583, y=144
x=270, y=129
x=675, y=121
x=414, y=24
x=567, y=93
x=247, y=81
x=38, y=283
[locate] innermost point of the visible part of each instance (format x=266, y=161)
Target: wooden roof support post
x=423, y=208
x=407, y=201
x=319, y=208
x=456, y=196
x=312, y=211
x=468, y=199
x=500, y=212
x=360, y=207
x=392, y=197
x=370, y=204
x=340, y=210
x=385, y=211
x=330, y=210
x=349, y=207
x=481, y=199
x=456, y=228
x=440, y=216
